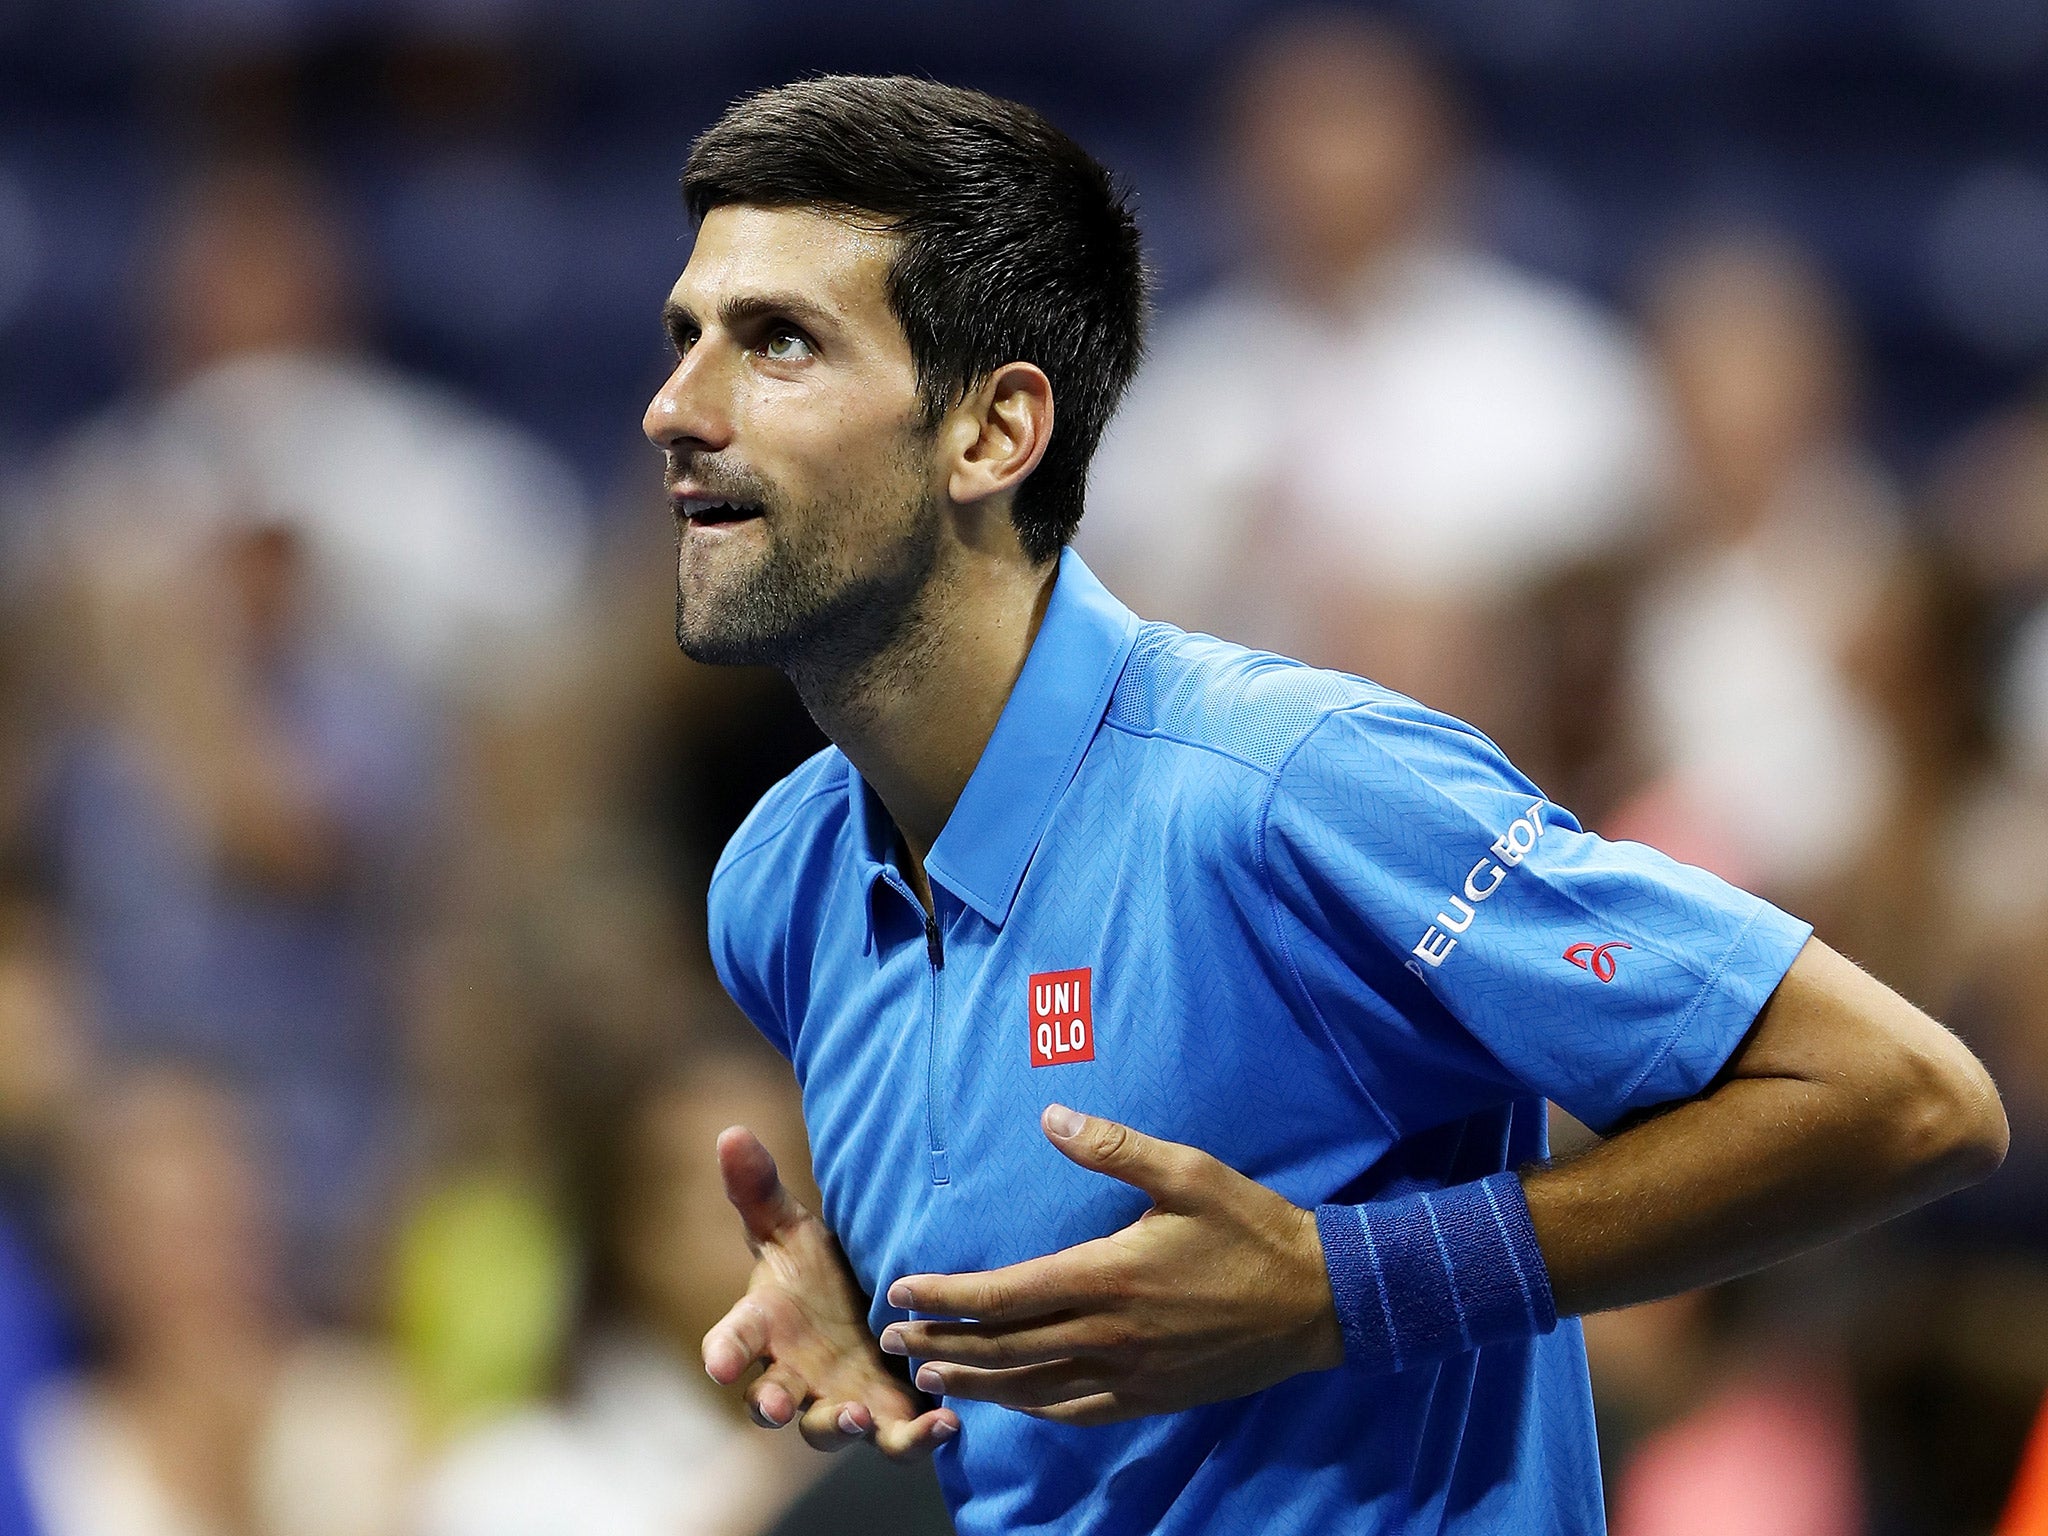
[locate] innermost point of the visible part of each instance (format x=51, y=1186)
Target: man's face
x=799, y=468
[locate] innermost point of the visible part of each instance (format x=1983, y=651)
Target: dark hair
x=1016, y=245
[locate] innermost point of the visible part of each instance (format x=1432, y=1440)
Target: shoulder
x=1214, y=696
x=1389, y=789
x=1315, y=749
x=775, y=870
x=1396, y=766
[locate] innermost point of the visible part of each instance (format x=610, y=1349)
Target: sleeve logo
x=1062, y=1018
x=1597, y=958
x=1507, y=852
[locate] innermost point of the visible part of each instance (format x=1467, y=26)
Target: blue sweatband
x=1435, y=1274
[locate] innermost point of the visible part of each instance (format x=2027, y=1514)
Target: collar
x=1045, y=727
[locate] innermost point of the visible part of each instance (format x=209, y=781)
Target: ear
x=1002, y=430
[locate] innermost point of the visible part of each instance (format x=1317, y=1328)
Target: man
x=1306, y=956
x=1373, y=427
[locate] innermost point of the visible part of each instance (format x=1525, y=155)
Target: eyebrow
x=748, y=307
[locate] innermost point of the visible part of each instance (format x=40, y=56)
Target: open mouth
x=713, y=512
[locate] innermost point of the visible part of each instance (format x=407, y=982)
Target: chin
x=702, y=637
x=710, y=645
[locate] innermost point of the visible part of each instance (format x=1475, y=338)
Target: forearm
x=1674, y=1203
x=1846, y=1107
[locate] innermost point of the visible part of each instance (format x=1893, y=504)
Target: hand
x=1218, y=1290
x=804, y=1316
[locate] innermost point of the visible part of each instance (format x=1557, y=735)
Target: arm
x=1844, y=1106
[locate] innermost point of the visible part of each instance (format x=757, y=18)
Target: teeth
x=702, y=506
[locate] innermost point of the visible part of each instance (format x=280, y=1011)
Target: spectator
x=639, y=1441
x=234, y=801
x=42, y=1066
x=446, y=541
x=41, y=1058
x=209, y=1410
x=1992, y=501
x=1716, y=1416
x=1374, y=446
x=1992, y=840
x=1769, y=765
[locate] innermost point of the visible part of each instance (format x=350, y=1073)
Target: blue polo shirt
x=1323, y=933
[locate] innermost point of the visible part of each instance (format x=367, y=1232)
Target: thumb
x=1172, y=1174
x=754, y=1186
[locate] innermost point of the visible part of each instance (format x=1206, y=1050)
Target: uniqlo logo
x=1062, y=1020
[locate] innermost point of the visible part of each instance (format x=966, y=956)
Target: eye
x=786, y=346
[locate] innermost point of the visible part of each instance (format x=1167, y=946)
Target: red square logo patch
x=1062, y=1020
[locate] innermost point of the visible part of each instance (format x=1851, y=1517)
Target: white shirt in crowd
x=445, y=541
x=644, y=1448
x=1459, y=429
x=333, y=1457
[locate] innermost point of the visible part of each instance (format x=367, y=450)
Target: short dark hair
x=1017, y=246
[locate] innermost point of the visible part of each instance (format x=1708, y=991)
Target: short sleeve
x=735, y=936
x=1601, y=975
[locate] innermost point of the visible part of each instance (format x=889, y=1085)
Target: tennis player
x=1174, y=1021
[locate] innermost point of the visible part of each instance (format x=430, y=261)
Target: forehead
x=744, y=251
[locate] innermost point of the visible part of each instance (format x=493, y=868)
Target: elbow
x=1994, y=1132
x=1954, y=1123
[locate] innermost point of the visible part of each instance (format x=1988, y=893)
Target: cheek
x=878, y=503
x=864, y=460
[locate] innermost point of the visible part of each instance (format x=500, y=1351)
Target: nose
x=691, y=410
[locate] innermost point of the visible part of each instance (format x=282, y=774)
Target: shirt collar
x=1052, y=713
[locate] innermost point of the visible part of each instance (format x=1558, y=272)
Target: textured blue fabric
x=1244, y=855
x=1435, y=1273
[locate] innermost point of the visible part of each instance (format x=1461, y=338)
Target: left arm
x=1844, y=1106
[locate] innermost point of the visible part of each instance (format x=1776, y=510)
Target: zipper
x=934, y=1115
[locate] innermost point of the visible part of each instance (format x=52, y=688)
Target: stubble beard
x=825, y=622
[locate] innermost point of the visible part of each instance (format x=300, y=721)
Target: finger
x=998, y=1348
x=909, y=1440
x=1073, y=1277
x=1031, y=1386
x=1100, y=1408
x=754, y=1187
x=736, y=1341
x=835, y=1425
x=777, y=1397
x=1172, y=1174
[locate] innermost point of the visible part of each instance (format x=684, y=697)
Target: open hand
x=1218, y=1290
x=805, y=1318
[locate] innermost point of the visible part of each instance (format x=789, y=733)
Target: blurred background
x=1663, y=387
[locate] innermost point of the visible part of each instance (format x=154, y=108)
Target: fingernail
x=899, y=1296
x=848, y=1424
x=892, y=1341
x=929, y=1380
x=944, y=1431
x=1062, y=1121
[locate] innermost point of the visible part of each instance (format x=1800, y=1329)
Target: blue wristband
x=1435, y=1274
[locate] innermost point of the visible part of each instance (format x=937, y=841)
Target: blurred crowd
x=359, y=1056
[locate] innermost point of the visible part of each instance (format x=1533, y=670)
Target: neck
x=915, y=718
